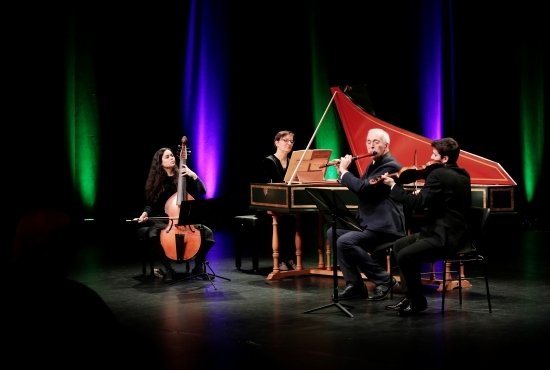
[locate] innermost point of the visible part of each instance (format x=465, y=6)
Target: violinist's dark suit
x=445, y=200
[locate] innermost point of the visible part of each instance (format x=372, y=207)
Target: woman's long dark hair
x=156, y=180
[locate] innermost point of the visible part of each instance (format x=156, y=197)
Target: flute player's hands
x=344, y=163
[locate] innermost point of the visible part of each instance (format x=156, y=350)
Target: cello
x=180, y=241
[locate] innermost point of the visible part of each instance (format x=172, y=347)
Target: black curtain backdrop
x=137, y=60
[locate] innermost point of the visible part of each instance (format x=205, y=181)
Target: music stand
x=335, y=211
x=307, y=166
x=188, y=216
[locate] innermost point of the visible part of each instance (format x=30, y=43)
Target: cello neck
x=182, y=182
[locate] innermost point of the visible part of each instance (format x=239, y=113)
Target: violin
x=410, y=174
x=180, y=242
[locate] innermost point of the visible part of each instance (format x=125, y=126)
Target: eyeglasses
x=288, y=141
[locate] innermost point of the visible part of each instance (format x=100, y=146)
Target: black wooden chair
x=470, y=253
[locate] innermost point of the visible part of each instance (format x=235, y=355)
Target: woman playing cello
x=161, y=185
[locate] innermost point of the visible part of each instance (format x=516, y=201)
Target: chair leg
x=388, y=268
x=444, y=290
x=238, y=247
x=460, y=276
x=487, y=286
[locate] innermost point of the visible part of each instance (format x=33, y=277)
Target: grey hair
x=383, y=135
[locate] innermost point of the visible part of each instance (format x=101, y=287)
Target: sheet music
x=309, y=169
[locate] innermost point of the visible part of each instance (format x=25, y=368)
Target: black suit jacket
x=376, y=210
x=445, y=200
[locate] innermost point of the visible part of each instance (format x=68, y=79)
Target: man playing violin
x=445, y=200
x=381, y=219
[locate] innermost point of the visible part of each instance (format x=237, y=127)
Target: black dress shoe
x=410, y=310
x=382, y=290
x=352, y=291
x=397, y=306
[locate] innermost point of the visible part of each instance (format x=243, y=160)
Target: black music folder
x=192, y=212
x=333, y=208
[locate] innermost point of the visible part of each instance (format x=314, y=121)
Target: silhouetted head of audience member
x=58, y=317
x=44, y=240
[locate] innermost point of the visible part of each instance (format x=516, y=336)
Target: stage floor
x=251, y=321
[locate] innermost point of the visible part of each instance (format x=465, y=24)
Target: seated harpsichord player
x=274, y=168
